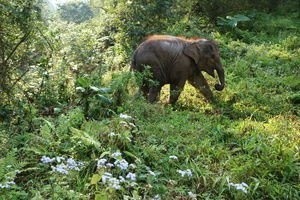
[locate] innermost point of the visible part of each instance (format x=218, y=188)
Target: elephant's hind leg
x=175, y=90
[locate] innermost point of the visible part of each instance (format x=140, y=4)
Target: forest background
x=72, y=125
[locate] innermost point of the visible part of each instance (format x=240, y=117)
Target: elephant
x=175, y=60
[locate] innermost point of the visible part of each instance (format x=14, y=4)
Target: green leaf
x=133, y=156
x=49, y=124
x=104, y=99
x=94, y=88
x=241, y=18
x=83, y=82
x=80, y=89
x=95, y=179
x=232, y=23
x=102, y=196
x=105, y=90
x=104, y=154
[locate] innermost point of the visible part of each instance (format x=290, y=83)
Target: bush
x=221, y=8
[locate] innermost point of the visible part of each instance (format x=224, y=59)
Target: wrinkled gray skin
x=175, y=60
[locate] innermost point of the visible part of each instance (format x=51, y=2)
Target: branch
x=46, y=39
x=18, y=79
x=23, y=39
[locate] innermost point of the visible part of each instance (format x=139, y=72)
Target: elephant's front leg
x=154, y=94
x=199, y=82
x=175, y=90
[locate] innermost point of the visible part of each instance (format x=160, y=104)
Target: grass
x=251, y=135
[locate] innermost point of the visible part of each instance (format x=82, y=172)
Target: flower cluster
x=112, y=182
x=7, y=185
x=128, y=121
x=119, y=166
x=61, y=164
x=184, y=173
x=124, y=116
x=150, y=171
x=173, y=157
x=240, y=186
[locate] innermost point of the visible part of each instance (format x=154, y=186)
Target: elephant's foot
x=153, y=95
x=207, y=93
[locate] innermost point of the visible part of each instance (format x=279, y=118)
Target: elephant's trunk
x=221, y=75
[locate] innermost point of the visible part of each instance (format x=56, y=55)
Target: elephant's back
x=164, y=42
x=164, y=48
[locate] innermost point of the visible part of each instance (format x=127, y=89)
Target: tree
x=18, y=24
x=76, y=12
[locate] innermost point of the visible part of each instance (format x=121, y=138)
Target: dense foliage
x=73, y=126
x=76, y=12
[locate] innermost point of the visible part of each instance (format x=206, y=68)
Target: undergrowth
x=109, y=143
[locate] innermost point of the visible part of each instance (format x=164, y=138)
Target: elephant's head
x=205, y=54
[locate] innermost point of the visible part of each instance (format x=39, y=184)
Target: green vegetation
x=72, y=125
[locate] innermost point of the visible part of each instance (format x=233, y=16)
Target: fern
x=84, y=137
x=9, y=166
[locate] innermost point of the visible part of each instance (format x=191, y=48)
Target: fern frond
x=87, y=139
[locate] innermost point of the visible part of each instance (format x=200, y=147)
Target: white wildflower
x=59, y=159
x=124, y=116
x=183, y=173
x=192, y=195
x=101, y=163
x=47, y=160
x=173, y=157
x=131, y=176
x=7, y=185
x=110, y=165
x=132, y=166
x=111, y=134
x=150, y=171
x=105, y=177
x=240, y=186
x=114, y=183
x=61, y=168
x=188, y=172
x=122, y=179
x=71, y=163
x=4, y=185
x=111, y=181
x=116, y=154
x=122, y=164
x=11, y=183
x=74, y=165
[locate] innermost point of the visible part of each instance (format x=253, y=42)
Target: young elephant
x=174, y=60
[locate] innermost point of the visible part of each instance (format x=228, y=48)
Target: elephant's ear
x=192, y=51
x=207, y=49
